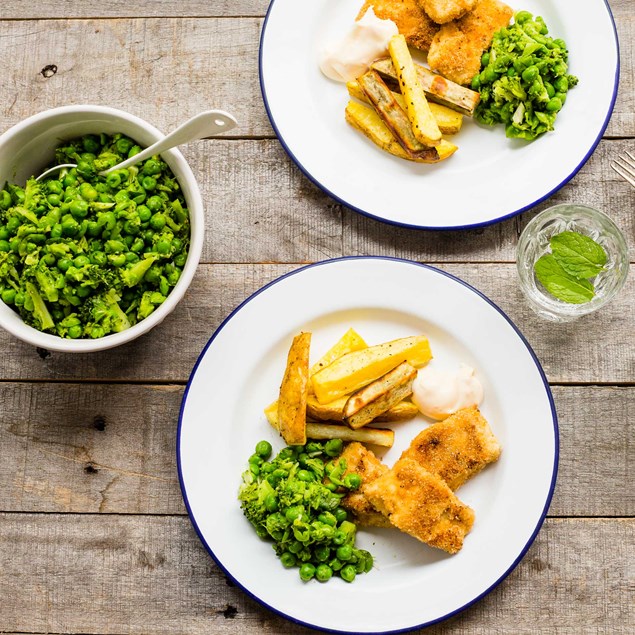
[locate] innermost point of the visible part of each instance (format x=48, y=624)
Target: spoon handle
x=205, y=124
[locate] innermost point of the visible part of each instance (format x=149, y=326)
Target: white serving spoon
x=203, y=126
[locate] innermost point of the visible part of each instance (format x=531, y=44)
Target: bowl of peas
x=91, y=261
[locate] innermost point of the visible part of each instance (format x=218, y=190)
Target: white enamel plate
x=238, y=374
x=488, y=179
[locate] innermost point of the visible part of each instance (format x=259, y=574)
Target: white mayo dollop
x=439, y=393
x=367, y=41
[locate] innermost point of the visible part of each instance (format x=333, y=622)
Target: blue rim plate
x=489, y=179
x=238, y=374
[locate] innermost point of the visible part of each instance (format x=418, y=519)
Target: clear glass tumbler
x=534, y=242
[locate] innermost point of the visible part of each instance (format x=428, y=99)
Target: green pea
x=78, y=208
x=163, y=247
x=333, y=447
x=107, y=220
x=488, y=75
x=131, y=227
x=14, y=244
x=5, y=199
x=90, y=143
x=344, y=553
x=88, y=192
x=151, y=166
x=340, y=515
x=149, y=183
x=180, y=259
x=114, y=246
x=554, y=104
x=19, y=195
x=49, y=259
x=8, y=296
x=154, y=203
x=5, y=246
x=137, y=245
x=113, y=179
x=83, y=292
x=70, y=180
x=522, y=16
x=124, y=145
x=19, y=299
x=264, y=449
x=56, y=231
x=121, y=196
x=271, y=503
x=322, y=553
x=293, y=513
x=307, y=571
x=476, y=82
x=54, y=200
x=158, y=221
x=54, y=187
x=352, y=481
x=144, y=213
x=74, y=332
x=93, y=229
x=131, y=257
x=117, y=260
x=485, y=59
x=81, y=261
x=551, y=91
x=164, y=287
x=5, y=234
x=530, y=74
x=288, y=560
x=153, y=275
x=70, y=226
x=134, y=150
x=86, y=168
x=561, y=84
x=63, y=264
x=98, y=258
x=323, y=573
x=97, y=331
x=348, y=573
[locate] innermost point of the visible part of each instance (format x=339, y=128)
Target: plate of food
x=314, y=479
x=494, y=107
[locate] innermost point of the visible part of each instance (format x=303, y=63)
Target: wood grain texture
x=261, y=208
x=72, y=574
x=588, y=350
x=167, y=69
x=112, y=449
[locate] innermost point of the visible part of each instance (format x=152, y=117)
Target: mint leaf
x=560, y=284
x=578, y=254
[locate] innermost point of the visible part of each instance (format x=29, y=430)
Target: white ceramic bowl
x=27, y=147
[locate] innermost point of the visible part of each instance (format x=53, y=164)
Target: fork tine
x=625, y=173
x=630, y=161
x=630, y=155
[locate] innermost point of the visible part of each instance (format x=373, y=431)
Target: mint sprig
x=565, y=272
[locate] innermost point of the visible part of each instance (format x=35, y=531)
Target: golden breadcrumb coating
x=422, y=505
x=411, y=20
x=456, y=49
x=442, y=11
x=456, y=448
x=363, y=462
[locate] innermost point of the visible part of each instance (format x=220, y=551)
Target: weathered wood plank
x=163, y=70
x=588, y=350
x=19, y=9
x=71, y=574
x=261, y=208
x=169, y=68
x=111, y=449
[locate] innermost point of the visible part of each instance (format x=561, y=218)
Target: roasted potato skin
x=293, y=392
x=379, y=396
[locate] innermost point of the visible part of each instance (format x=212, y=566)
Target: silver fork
x=625, y=167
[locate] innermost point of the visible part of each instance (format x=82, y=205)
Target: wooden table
x=94, y=537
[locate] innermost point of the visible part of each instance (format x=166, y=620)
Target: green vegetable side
x=83, y=256
x=565, y=272
x=294, y=500
x=524, y=79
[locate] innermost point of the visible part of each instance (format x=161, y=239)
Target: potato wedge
x=334, y=410
x=355, y=370
x=449, y=121
x=424, y=125
x=293, y=392
x=332, y=430
x=392, y=114
x=349, y=342
x=401, y=411
x=436, y=88
x=370, y=124
x=374, y=436
x=379, y=396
